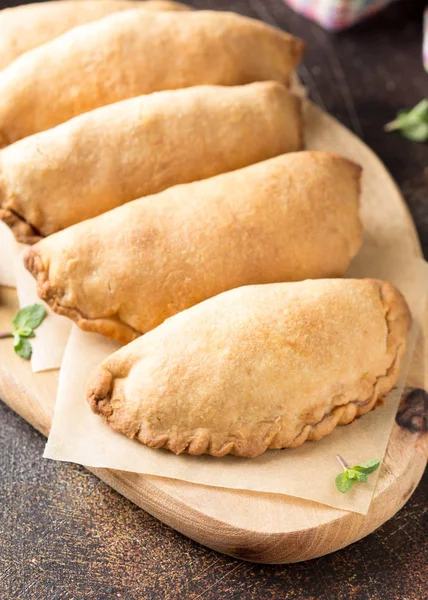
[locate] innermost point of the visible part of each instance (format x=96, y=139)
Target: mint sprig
x=24, y=323
x=345, y=481
x=412, y=122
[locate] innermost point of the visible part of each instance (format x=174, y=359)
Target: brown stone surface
x=65, y=535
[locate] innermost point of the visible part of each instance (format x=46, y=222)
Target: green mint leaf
x=412, y=123
x=417, y=132
x=346, y=480
x=420, y=111
x=29, y=317
x=25, y=332
x=343, y=483
x=368, y=467
x=23, y=348
x=417, y=114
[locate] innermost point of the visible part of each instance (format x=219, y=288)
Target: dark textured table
x=66, y=535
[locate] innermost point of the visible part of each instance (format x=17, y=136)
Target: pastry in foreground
x=141, y=146
x=257, y=368
x=26, y=27
x=137, y=52
x=121, y=274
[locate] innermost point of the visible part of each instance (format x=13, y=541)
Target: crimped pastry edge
x=398, y=320
x=111, y=327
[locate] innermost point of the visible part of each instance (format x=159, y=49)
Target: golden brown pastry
x=257, y=368
x=121, y=274
x=141, y=146
x=25, y=27
x=137, y=52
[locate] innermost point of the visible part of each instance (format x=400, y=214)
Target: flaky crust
x=137, y=52
x=257, y=368
x=141, y=146
x=121, y=274
x=26, y=27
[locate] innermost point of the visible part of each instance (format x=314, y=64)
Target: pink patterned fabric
x=337, y=14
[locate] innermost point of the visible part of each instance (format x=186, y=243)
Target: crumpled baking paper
x=77, y=435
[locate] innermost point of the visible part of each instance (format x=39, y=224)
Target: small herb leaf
x=343, y=483
x=412, y=123
x=418, y=132
x=23, y=325
x=420, y=111
x=23, y=348
x=29, y=317
x=25, y=332
x=368, y=467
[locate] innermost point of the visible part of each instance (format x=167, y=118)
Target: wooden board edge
x=245, y=544
x=261, y=547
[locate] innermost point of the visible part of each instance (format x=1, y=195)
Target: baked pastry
x=141, y=146
x=257, y=368
x=26, y=27
x=137, y=52
x=121, y=274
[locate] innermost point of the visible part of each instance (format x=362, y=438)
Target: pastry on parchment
x=137, y=52
x=26, y=27
x=121, y=274
x=140, y=146
x=257, y=368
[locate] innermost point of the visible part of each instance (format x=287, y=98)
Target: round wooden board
x=269, y=528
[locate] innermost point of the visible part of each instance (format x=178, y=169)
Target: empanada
x=121, y=274
x=137, y=52
x=141, y=146
x=26, y=27
x=257, y=368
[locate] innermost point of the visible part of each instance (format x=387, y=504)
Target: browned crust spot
x=300, y=120
x=99, y=392
x=4, y=141
x=22, y=230
x=298, y=48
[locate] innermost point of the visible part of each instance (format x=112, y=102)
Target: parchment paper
x=52, y=335
x=8, y=250
x=77, y=435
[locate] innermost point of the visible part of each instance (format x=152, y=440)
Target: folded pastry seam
x=344, y=414
x=397, y=319
x=64, y=275
x=52, y=294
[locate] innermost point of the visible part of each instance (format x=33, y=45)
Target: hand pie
x=257, y=368
x=26, y=27
x=141, y=146
x=121, y=274
x=137, y=52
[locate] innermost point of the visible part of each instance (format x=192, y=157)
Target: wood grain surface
x=66, y=535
